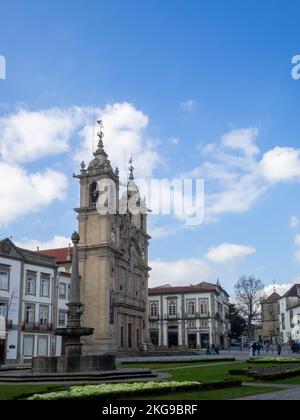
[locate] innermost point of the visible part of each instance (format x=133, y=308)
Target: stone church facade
x=113, y=258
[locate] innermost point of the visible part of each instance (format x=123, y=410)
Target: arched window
x=191, y=307
x=172, y=307
x=153, y=309
x=94, y=192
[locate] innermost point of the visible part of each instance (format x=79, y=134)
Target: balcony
x=37, y=327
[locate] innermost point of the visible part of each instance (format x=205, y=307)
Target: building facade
x=189, y=317
x=113, y=258
x=289, y=317
x=270, y=314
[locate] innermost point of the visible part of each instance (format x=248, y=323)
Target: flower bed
x=116, y=391
x=275, y=360
x=273, y=373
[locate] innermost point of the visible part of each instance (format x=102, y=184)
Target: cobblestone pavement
x=291, y=394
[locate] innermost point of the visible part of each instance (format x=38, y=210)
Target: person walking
x=254, y=348
x=279, y=349
x=267, y=344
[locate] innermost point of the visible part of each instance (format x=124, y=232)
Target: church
x=113, y=257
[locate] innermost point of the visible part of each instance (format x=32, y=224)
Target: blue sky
x=193, y=71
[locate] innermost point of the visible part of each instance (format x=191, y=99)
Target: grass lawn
x=200, y=373
x=8, y=392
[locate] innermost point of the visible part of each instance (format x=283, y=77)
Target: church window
x=94, y=193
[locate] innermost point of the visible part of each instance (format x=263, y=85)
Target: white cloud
x=281, y=289
x=294, y=222
x=297, y=240
x=27, y=136
x=180, y=273
x=32, y=244
x=124, y=129
x=226, y=253
x=281, y=164
x=242, y=139
x=297, y=256
x=26, y=192
x=159, y=232
x=188, y=106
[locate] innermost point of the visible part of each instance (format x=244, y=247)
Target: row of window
x=31, y=285
x=190, y=308
x=43, y=315
x=29, y=342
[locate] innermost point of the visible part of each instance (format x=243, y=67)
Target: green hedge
x=275, y=375
x=123, y=390
x=275, y=360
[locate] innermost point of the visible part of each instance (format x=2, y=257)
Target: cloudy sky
x=191, y=89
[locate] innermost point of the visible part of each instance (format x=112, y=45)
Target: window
x=31, y=284
x=172, y=307
x=45, y=287
x=191, y=307
x=29, y=314
x=3, y=309
x=283, y=321
x=153, y=309
x=4, y=279
x=191, y=324
x=291, y=319
x=44, y=315
x=42, y=346
x=204, y=324
x=62, y=291
x=203, y=303
x=28, y=343
x=61, y=317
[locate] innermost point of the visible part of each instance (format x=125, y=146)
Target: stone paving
x=291, y=394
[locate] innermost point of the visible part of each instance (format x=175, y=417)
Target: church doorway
x=2, y=352
x=154, y=336
x=172, y=337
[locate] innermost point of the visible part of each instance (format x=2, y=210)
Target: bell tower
x=113, y=258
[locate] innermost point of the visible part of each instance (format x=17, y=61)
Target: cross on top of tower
x=100, y=134
x=131, y=169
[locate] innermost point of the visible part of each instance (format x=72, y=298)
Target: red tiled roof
x=201, y=287
x=60, y=254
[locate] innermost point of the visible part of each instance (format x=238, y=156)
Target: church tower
x=113, y=258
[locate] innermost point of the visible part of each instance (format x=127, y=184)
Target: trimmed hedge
x=116, y=391
x=257, y=376
x=165, y=362
x=275, y=360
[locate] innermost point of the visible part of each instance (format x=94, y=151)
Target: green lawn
x=195, y=372
x=8, y=392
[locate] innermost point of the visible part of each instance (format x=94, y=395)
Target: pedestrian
x=267, y=346
x=254, y=348
x=258, y=347
x=279, y=349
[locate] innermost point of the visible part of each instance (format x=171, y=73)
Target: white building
x=290, y=315
x=33, y=298
x=189, y=317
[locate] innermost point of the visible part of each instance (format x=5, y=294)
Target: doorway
x=192, y=340
x=2, y=352
x=172, y=337
x=130, y=336
x=204, y=341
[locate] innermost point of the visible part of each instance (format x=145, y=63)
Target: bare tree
x=249, y=293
